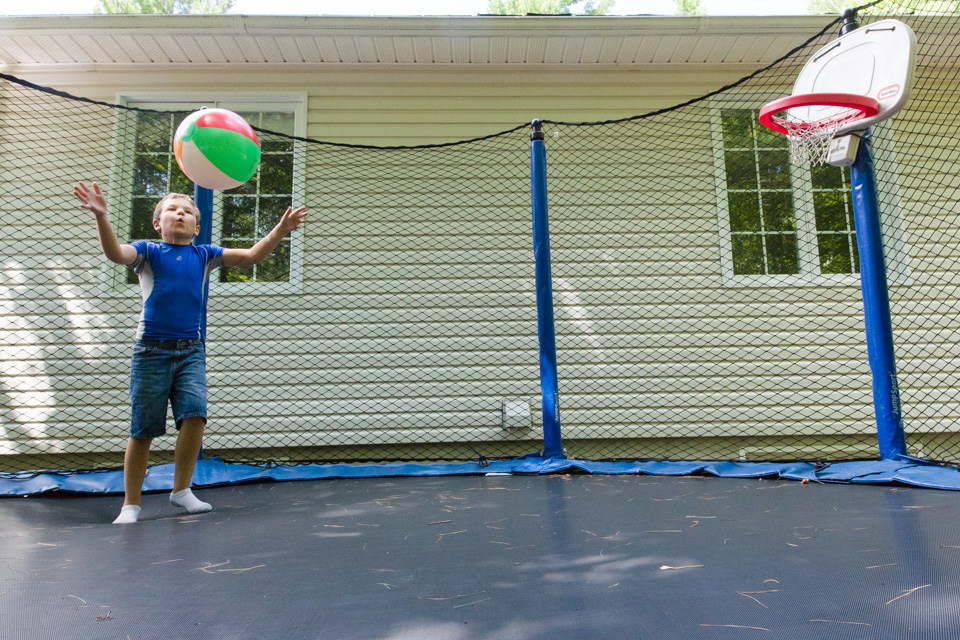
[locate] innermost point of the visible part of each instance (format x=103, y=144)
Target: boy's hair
x=178, y=196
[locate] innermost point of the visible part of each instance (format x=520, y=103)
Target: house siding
x=433, y=306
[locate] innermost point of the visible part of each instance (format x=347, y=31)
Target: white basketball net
x=810, y=141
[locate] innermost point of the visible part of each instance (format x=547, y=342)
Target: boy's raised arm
x=292, y=220
x=93, y=200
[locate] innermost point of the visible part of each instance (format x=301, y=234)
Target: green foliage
x=829, y=7
x=523, y=7
x=691, y=8
x=547, y=7
x=886, y=7
x=163, y=6
x=594, y=9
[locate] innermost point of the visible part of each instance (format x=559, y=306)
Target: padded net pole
x=552, y=447
x=876, y=304
x=204, y=199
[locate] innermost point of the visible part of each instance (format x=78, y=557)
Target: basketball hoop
x=860, y=79
x=810, y=139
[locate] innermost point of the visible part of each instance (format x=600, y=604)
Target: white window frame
x=891, y=217
x=123, y=166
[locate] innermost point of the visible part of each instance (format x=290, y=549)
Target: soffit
x=448, y=40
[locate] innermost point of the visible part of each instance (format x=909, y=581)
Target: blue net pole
x=876, y=304
x=552, y=446
x=204, y=199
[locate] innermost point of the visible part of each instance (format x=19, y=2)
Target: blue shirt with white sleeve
x=173, y=278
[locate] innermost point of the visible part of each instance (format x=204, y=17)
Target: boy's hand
x=293, y=219
x=92, y=199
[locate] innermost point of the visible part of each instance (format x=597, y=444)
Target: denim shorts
x=163, y=371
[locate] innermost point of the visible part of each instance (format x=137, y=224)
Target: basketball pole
x=876, y=298
x=876, y=304
x=552, y=445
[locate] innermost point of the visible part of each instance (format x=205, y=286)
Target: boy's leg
x=189, y=442
x=185, y=461
x=150, y=379
x=135, y=461
x=135, y=469
x=189, y=399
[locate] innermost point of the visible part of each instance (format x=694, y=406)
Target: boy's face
x=178, y=222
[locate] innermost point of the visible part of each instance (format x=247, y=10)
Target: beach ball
x=216, y=148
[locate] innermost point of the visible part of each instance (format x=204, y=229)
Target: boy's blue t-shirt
x=172, y=282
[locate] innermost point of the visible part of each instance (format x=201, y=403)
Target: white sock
x=190, y=502
x=129, y=514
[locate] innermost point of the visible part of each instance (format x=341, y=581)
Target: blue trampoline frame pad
x=215, y=472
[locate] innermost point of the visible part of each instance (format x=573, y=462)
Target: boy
x=169, y=360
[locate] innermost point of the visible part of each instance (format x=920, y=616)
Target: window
x=779, y=222
x=833, y=210
x=241, y=216
x=763, y=229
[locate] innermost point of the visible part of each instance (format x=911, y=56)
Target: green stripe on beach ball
x=232, y=153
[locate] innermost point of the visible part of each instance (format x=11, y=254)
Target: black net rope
x=706, y=291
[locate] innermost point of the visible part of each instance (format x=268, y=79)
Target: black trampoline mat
x=484, y=558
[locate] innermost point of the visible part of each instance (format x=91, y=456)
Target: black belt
x=182, y=343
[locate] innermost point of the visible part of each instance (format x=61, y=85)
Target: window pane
x=276, y=173
x=179, y=183
x=150, y=174
x=747, y=254
x=778, y=211
x=741, y=170
x=744, y=211
x=238, y=216
x=774, y=169
x=782, y=253
x=236, y=274
x=141, y=220
x=736, y=125
x=275, y=144
x=281, y=123
x=271, y=210
x=154, y=132
x=248, y=187
x=829, y=208
x=767, y=139
x=276, y=268
x=834, y=252
x=826, y=176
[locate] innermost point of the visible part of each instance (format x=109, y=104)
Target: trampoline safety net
x=706, y=292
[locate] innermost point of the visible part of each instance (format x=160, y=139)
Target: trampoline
x=417, y=342
x=483, y=557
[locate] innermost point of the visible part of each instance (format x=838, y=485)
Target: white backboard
x=876, y=60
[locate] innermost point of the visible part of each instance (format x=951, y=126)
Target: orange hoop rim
x=862, y=106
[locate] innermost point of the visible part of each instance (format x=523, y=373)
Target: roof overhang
x=584, y=41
